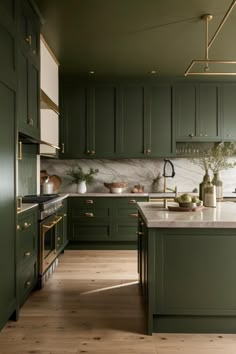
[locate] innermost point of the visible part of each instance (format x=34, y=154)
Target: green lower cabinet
x=188, y=279
x=27, y=253
x=103, y=219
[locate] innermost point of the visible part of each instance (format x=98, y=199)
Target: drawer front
x=90, y=213
x=83, y=202
x=94, y=232
x=125, y=232
x=27, y=279
x=130, y=213
x=27, y=236
x=129, y=202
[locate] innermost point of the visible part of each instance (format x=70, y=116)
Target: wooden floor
x=92, y=304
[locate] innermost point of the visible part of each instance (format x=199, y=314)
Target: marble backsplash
x=135, y=171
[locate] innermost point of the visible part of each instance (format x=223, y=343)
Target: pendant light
x=207, y=69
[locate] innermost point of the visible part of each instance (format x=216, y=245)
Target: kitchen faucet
x=168, y=172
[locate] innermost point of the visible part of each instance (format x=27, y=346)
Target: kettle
x=47, y=186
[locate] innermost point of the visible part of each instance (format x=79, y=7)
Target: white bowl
x=117, y=190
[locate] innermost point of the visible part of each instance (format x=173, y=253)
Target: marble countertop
x=154, y=215
x=26, y=206
x=101, y=194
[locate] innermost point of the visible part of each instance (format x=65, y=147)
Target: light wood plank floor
x=92, y=304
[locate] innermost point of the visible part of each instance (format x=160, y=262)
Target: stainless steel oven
x=48, y=239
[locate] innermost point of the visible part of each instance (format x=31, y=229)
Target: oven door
x=48, y=234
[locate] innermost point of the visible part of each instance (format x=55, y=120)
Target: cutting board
x=178, y=208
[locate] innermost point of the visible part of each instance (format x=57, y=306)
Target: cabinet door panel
x=73, y=122
x=103, y=127
x=229, y=111
x=7, y=50
x=208, y=112
x=131, y=122
x=33, y=120
x=185, y=111
x=7, y=203
x=160, y=130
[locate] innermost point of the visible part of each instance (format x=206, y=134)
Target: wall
x=188, y=176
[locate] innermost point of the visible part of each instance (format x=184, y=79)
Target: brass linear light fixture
x=207, y=61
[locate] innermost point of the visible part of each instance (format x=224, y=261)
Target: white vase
x=81, y=187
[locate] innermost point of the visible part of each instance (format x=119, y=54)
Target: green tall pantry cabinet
x=8, y=88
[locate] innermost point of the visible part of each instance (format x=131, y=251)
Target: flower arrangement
x=216, y=158
x=78, y=175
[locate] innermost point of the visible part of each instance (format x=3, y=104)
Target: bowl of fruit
x=188, y=201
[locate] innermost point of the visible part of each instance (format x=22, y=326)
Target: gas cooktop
x=42, y=198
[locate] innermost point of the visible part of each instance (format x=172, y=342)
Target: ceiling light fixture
x=207, y=61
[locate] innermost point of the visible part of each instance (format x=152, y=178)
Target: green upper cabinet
x=29, y=64
x=197, y=112
x=88, y=122
x=131, y=137
x=159, y=125
x=229, y=111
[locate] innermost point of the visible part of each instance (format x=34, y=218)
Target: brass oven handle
x=132, y=201
x=91, y=215
x=48, y=227
x=89, y=201
x=135, y=215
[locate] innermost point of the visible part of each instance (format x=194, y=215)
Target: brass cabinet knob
x=139, y=233
x=132, y=201
x=27, y=254
x=88, y=152
x=29, y=40
x=90, y=215
x=89, y=201
x=191, y=135
x=64, y=215
x=206, y=134
x=26, y=225
x=92, y=152
x=31, y=122
x=148, y=151
x=18, y=227
x=200, y=134
x=58, y=239
x=28, y=284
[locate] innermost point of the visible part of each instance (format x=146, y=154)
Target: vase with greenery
x=81, y=178
x=216, y=160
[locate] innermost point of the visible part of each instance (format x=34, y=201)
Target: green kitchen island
x=187, y=267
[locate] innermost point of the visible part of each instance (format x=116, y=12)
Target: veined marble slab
x=154, y=215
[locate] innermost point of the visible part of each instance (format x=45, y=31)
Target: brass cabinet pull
x=19, y=150
x=132, y=201
x=92, y=152
x=89, y=201
x=26, y=225
x=58, y=239
x=28, y=284
x=18, y=227
x=88, y=152
x=139, y=233
x=29, y=40
x=90, y=215
x=148, y=151
x=134, y=215
x=64, y=215
x=62, y=148
x=27, y=254
x=31, y=122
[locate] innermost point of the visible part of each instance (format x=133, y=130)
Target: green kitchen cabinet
x=159, y=139
x=197, y=112
x=228, y=111
x=131, y=121
x=88, y=123
x=103, y=219
x=29, y=74
x=27, y=253
x=125, y=218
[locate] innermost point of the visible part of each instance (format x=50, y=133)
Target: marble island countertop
x=155, y=216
